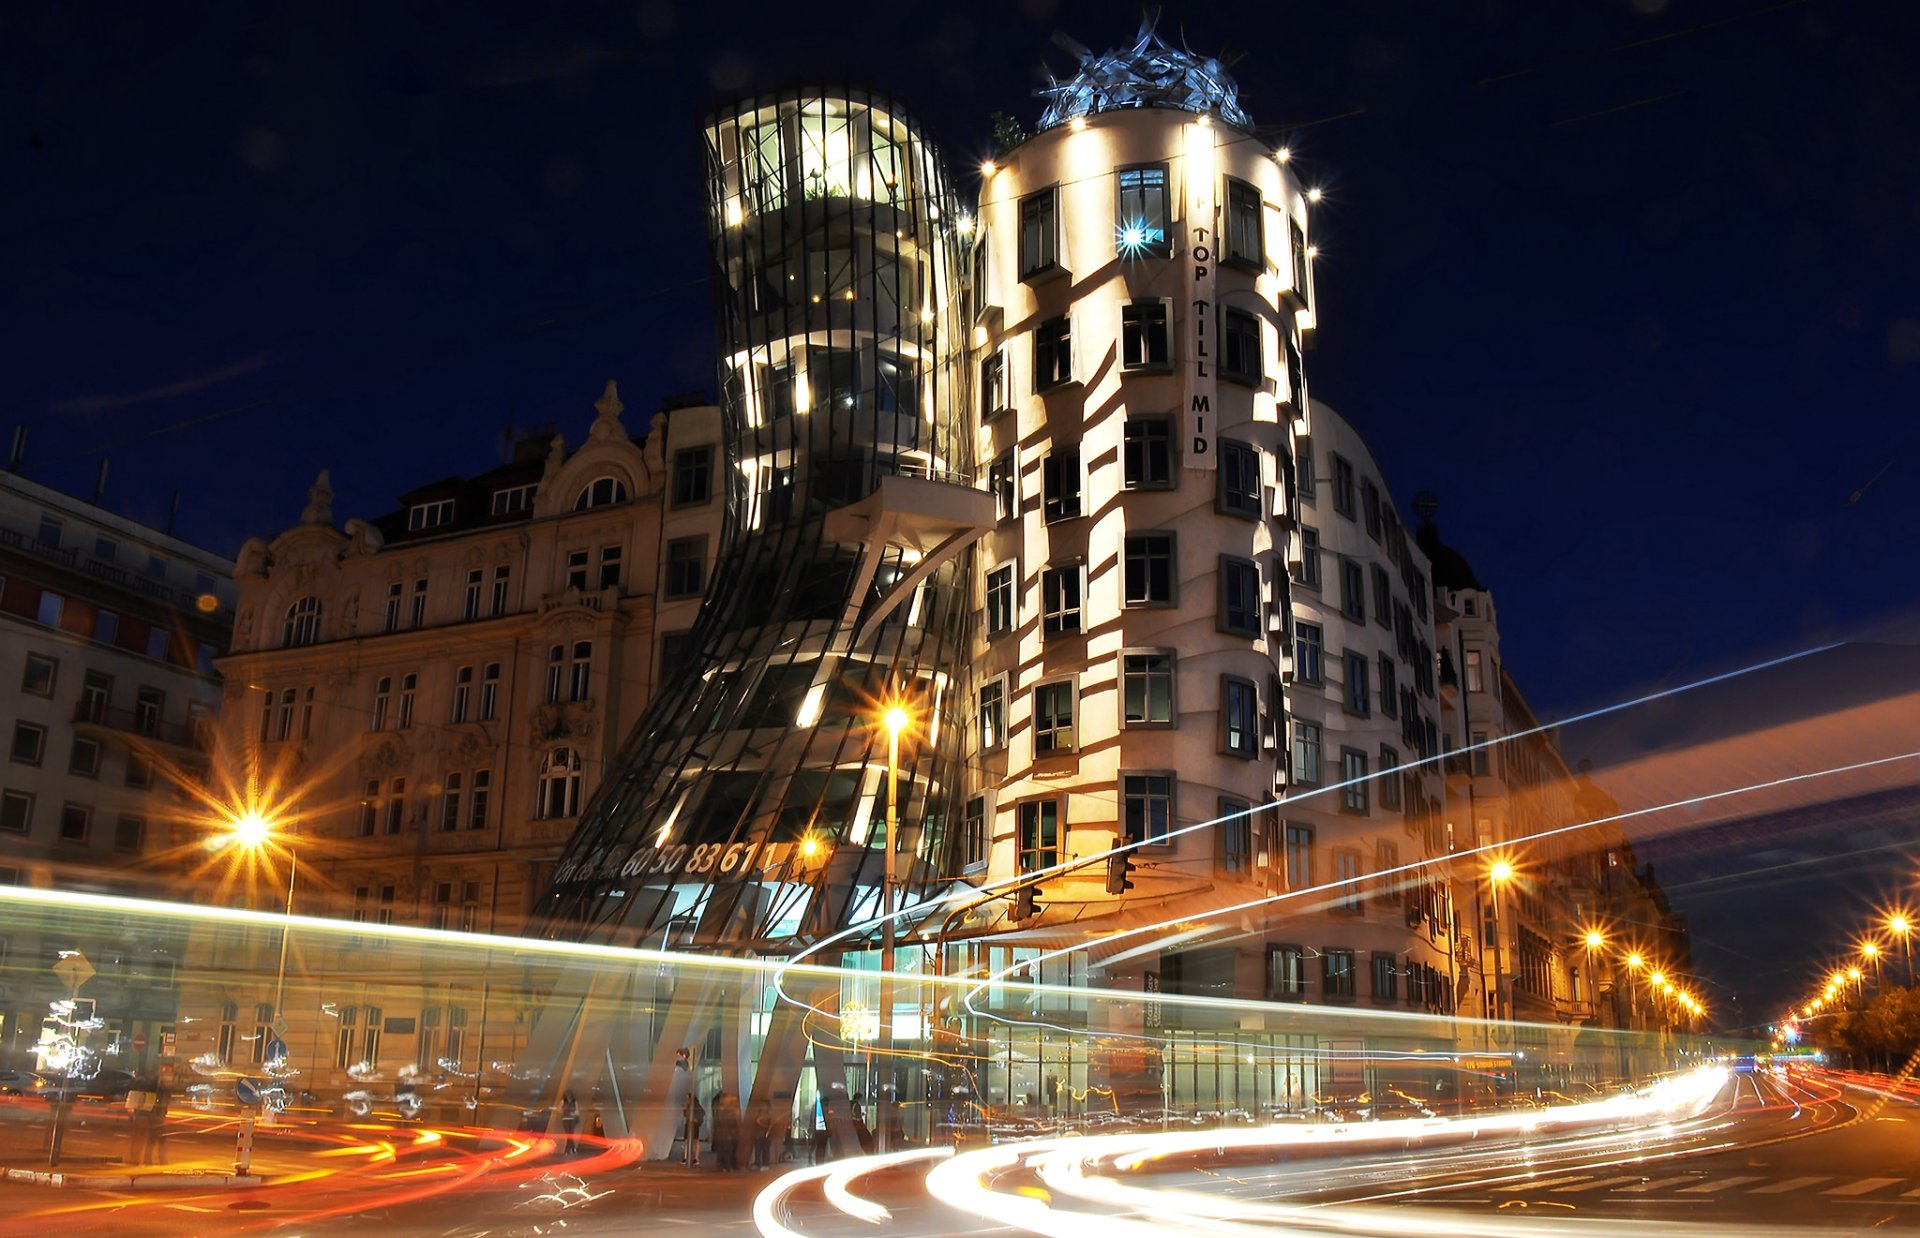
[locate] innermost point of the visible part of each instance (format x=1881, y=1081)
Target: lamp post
x=254, y=832
x=1499, y=872
x=895, y=719
x=1899, y=924
x=1870, y=951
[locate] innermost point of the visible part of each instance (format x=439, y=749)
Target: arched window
x=559, y=785
x=600, y=493
x=303, y=623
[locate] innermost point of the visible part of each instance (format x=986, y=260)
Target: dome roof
x=1148, y=74
x=1450, y=568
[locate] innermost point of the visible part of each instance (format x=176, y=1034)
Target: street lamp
x=1899, y=924
x=1870, y=951
x=253, y=831
x=895, y=719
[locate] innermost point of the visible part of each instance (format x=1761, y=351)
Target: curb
x=41, y=1177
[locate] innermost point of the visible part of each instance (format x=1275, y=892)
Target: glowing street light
x=255, y=831
x=894, y=718
x=1595, y=939
x=1900, y=925
x=1500, y=870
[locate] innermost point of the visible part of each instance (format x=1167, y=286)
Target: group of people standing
x=760, y=1125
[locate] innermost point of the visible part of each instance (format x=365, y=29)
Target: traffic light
x=1024, y=906
x=1119, y=872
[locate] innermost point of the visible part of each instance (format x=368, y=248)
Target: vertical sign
x=1203, y=247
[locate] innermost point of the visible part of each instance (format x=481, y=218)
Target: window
x=993, y=385
x=779, y=385
x=1039, y=835
x=418, y=618
x=429, y=515
x=1386, y=981
x=1309, y=557
x=1053, y=705
x=470, y=601
x=148, y=705
x=1370, y=507
x=348, y=1017
x=580, y=670
x=1149, y=569
x=1052, y=353
x=1243, y=226
x=1304, y=479
x=1147, y=456
x=396, y=805
x=489, y=691
x=1039, y=233
x=302, y=626
x=107, y=550
x=130, y=834
x=1306, y=752
x=1336, y=973
x=1239, y=596
x=1385, y=872
x=1353, y=781
x=39, y=676
x=75, y=821
x=1476, y=671
x=477, y=802
x=1307, y=647
x=52, y=607
x=29, y=743
x=1353, y=590
x=1389, y=778
x=1147, y=688
x=50, y=528
x=1482, y=755
x=16, y=812
x=559, y=788
x=692, y=476
x=84, y=760
x=1002, y=608
x=1297, y=247
x=1389, y=686
x=1239, y=716
x=1004, y=483
x=403, y=718
x=159, y=646
x=157, y=566
x=1235, y=827
x=1239, y=346
x=498, y=603
x=1343, y=487
x=1286, y=973
x=974, y=837
x=450, y=803
x=1061, y=483
x=106, y=627
x=462, y=687
x=1061, y=599
x=96, y=691
x=1296, y=374
x=1141, y=214
x=382, y=701
x=139, y=771
x=1359, y=693
x=370, y=808
x=993, y=715
x=577, y=570
x=1239, y=478
x=512, y=499
x=686, y=566
x=602, y=492
x=1382, y=595
x=1299, y=856
x=1146, y=334
x=556, y=672
x=1146, y=806
x=395, y=591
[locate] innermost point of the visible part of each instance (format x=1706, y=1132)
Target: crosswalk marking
x=1791, y=1184
x=1540, y=1184
x=1861, y=1187
x=1721, y=1184
x=1598, y=1184
x=1655, y=1185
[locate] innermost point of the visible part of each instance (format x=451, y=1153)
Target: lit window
x=993, y=715
x=993, y=384
x=1004, y=483
x=559, y=790
x=1039, y=835
x=1053, y=705
x=1141, y=211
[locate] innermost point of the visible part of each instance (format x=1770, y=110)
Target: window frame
x=1000, y=603
x=677, y=588
x=995, y=709
x=1239, y=691
x=1038, y=243
x=1053, y=359
x=1356, y=792
x=1146, y=446
x=1054, y=611
x=693, y=471
x=1306, y=739
x=1044, y=689
x=1148, y=248
x=1309, y=670
x=1335, y=961
x=1147, y=321
x=1232, y=567
x=1239, y=463
x=1168, y=557
x=1057, y=503
x=1295, y=973
x=1148, y=795
x=1356, y=683
x=1239, y=324
x=1035, y=858
x=1129, y=674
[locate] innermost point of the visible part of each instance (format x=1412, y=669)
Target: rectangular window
x=52, y=608
x=1239, y=717
x=1039, y=835
x=1353, y=781
x=462, y=687
x=1296, y=374
x=450, y=803
x=1146, y=806
x=84, y=759
x=993, y=715
x=419, y=613
x=1305, y=480
x=1147, y=456
x=1309, y=557
x=139, y=771
x=1239, y=478
x=1244, y=245
x=1039, y=233
x=16, y=812
x=993, y=385
x=1306, y=752
x=130, y=834
x=974, y=837
x=396, y=805
x=1061, y=483
x=1370, y=507
x=1004, y=483
x=1353, y=590
x=1307, y=650
x=1343, y=487
x=1240, y=346
x=470, y=602
x=1142, y=214
x=75, y=821
x=1053, y=706
x=1389, y=778
x=1346, y=875
x=1482, y=755
x=403, y=716
x=1235, y=828
x=1389, y=686
x=1147, y=687
x=106, y=628
x=1359, y=691
x=692, y=476
x=1385, y=875
x=501, y=574
x=50, y=528
x=610, y=567
x=1239, y=596
x=489, y=691
x=29, y=743
x=429, y=515
x=1146, y=335
x=512, y=499
x=686, y=566
x=1062, y=600
x=1286, y=973
x=1382, y=595
x=1386, y=980
x=1476, y=671
x=370, y=808
x=477, y=801
x=1336, y=973
x=395, y=593
x=1052, y=353
x=1297, y=248
x=1149, y=569
x=39, y=675
x=1003, y=610
x=779, y=385
x=577, y=570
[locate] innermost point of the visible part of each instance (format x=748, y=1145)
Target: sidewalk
x=98, y=1140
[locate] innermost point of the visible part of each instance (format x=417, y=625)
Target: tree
x=1885, y=1031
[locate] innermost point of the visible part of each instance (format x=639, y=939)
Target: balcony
x=192, y=736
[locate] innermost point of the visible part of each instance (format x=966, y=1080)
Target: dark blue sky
x=1631, y=286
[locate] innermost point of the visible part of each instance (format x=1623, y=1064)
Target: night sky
x=1633, y=287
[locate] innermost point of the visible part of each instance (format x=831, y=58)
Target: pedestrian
x=598, y=1127
x=570, y=1122
x=157, y=1116
x=696, y=1117
x=760, y=1126
x=139, y=1126
x=726, y=1132
x=820, y=1133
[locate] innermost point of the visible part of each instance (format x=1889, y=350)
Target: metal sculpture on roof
x=1149, y=74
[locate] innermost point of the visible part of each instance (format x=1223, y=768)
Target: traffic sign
x=247, y=1091
x=276, y=1049
x=139, y=1042
x=73, y=969
x=279, y=1026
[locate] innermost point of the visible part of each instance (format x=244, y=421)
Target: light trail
x=767, y=1205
